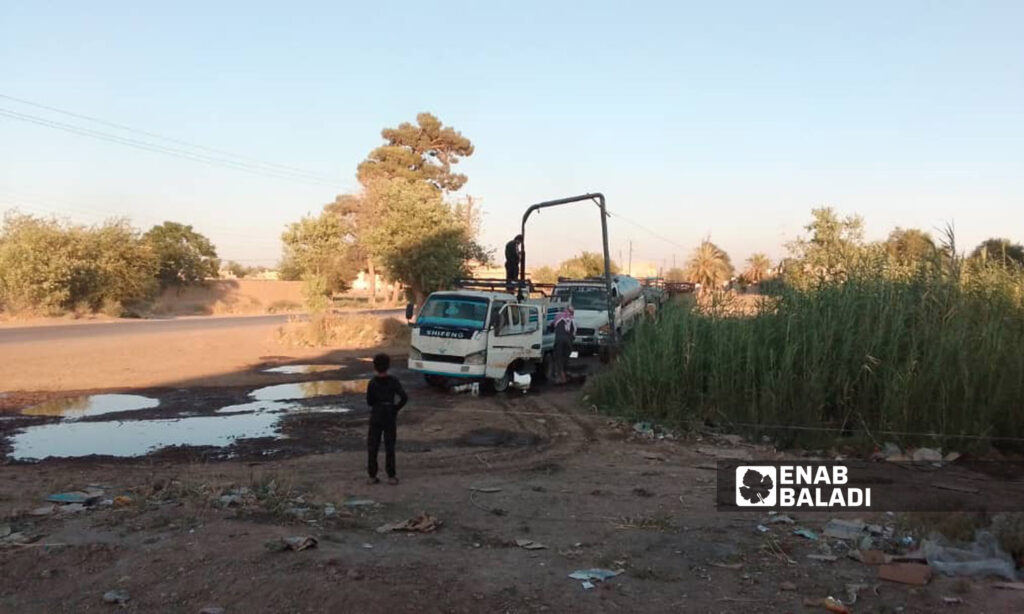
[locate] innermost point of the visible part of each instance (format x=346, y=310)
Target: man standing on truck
x=512, y=261
x=565, y=334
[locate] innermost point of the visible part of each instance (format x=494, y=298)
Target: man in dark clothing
x=512, y=261
x=565, y=335
x=380, y=396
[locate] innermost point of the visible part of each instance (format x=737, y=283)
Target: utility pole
x=630, y=257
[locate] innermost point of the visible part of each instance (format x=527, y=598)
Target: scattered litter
x=71, y=508
x=955, y=488
x=423, y=523
x=871, y=557
x=1010, y=586
x=762, y=528
x=905, y=573
x=853, y=591
x=122, y=501
x=486, y=489
x=826, y=558
x=890, y=450
x=359, y=503
x=811, y=535
x=952, y=600
x=844, y=529
x=587, y=585
x=116, y=597
x=529, y=544
x=781, y=519
x=367, y=546
x=866, y=543
x=930, y=455
x=829, y=603
x=598, y=575
x=84, y=498
x=983, y=557
x=787, y=586
x=733, y=566
x=330, y=511
x=46, y=510
x=644, y=428
x=473, y=389
x=291, y=543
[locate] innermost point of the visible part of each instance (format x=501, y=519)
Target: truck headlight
x=415, y=354
x=476, y=358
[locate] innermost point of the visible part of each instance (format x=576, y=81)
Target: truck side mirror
x=410, y=310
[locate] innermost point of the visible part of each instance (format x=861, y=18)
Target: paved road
x=117, y=328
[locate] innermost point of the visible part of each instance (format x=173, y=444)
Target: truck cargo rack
x=491, y=284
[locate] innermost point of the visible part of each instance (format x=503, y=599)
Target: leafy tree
x=999, y=251
x=318, y=250
x=421, y=241
x=544, y=275
x=834, y=248
x=910, y=247
x=424, y=152
x=185, y=256
x=50, y=267
x=758, y=266
x=709, y=266
x=586, y=264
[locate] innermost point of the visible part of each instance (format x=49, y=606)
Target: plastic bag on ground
x=982, y=557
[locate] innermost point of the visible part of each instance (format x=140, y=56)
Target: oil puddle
x=308, y=390
x=492, y=438
x=137, y=437
x=72, y=408
x=303, y=369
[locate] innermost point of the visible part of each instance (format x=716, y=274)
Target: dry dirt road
x=192, y=531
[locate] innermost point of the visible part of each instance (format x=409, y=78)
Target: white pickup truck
x=482, y=336
x=589, y=298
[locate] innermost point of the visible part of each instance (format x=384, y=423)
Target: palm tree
x=709, y=266
x=758, y=266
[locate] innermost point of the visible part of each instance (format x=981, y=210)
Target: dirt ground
x=192, y=528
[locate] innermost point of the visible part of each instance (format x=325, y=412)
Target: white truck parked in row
x=482, y=336
x=589, y=298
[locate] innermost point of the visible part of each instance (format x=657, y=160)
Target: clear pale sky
x=728, y=120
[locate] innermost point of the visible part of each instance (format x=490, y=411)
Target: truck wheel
x=543, y=373
x=436, y=381
x=500, y=384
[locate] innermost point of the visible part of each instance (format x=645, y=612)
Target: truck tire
x=501, y=384
x=543, y=372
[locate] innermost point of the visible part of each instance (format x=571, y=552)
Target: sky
x=695, y=119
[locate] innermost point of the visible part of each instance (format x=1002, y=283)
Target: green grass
x=867, y=357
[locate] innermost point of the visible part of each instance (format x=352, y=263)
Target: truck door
x=516, y=336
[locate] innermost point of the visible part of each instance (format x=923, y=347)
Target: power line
x=646, y=229
x=153, y=147
x=270, y=165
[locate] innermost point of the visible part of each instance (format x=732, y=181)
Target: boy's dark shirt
x=380, y=396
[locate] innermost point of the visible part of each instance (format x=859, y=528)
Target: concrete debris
x=905, y=573
x=929, y=455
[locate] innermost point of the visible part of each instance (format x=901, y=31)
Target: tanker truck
x=589, y=297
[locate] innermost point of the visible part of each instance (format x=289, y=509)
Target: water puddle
x=280, y=407
x=308, y=390
x=72, y=408
x=302, y=369
x=137, y=437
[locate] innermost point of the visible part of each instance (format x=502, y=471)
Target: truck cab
x=590, y=299
x=482, y=336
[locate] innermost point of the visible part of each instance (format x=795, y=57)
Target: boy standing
x=380, y=396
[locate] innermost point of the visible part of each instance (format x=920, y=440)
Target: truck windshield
x=448, y=310
x=586, y=298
